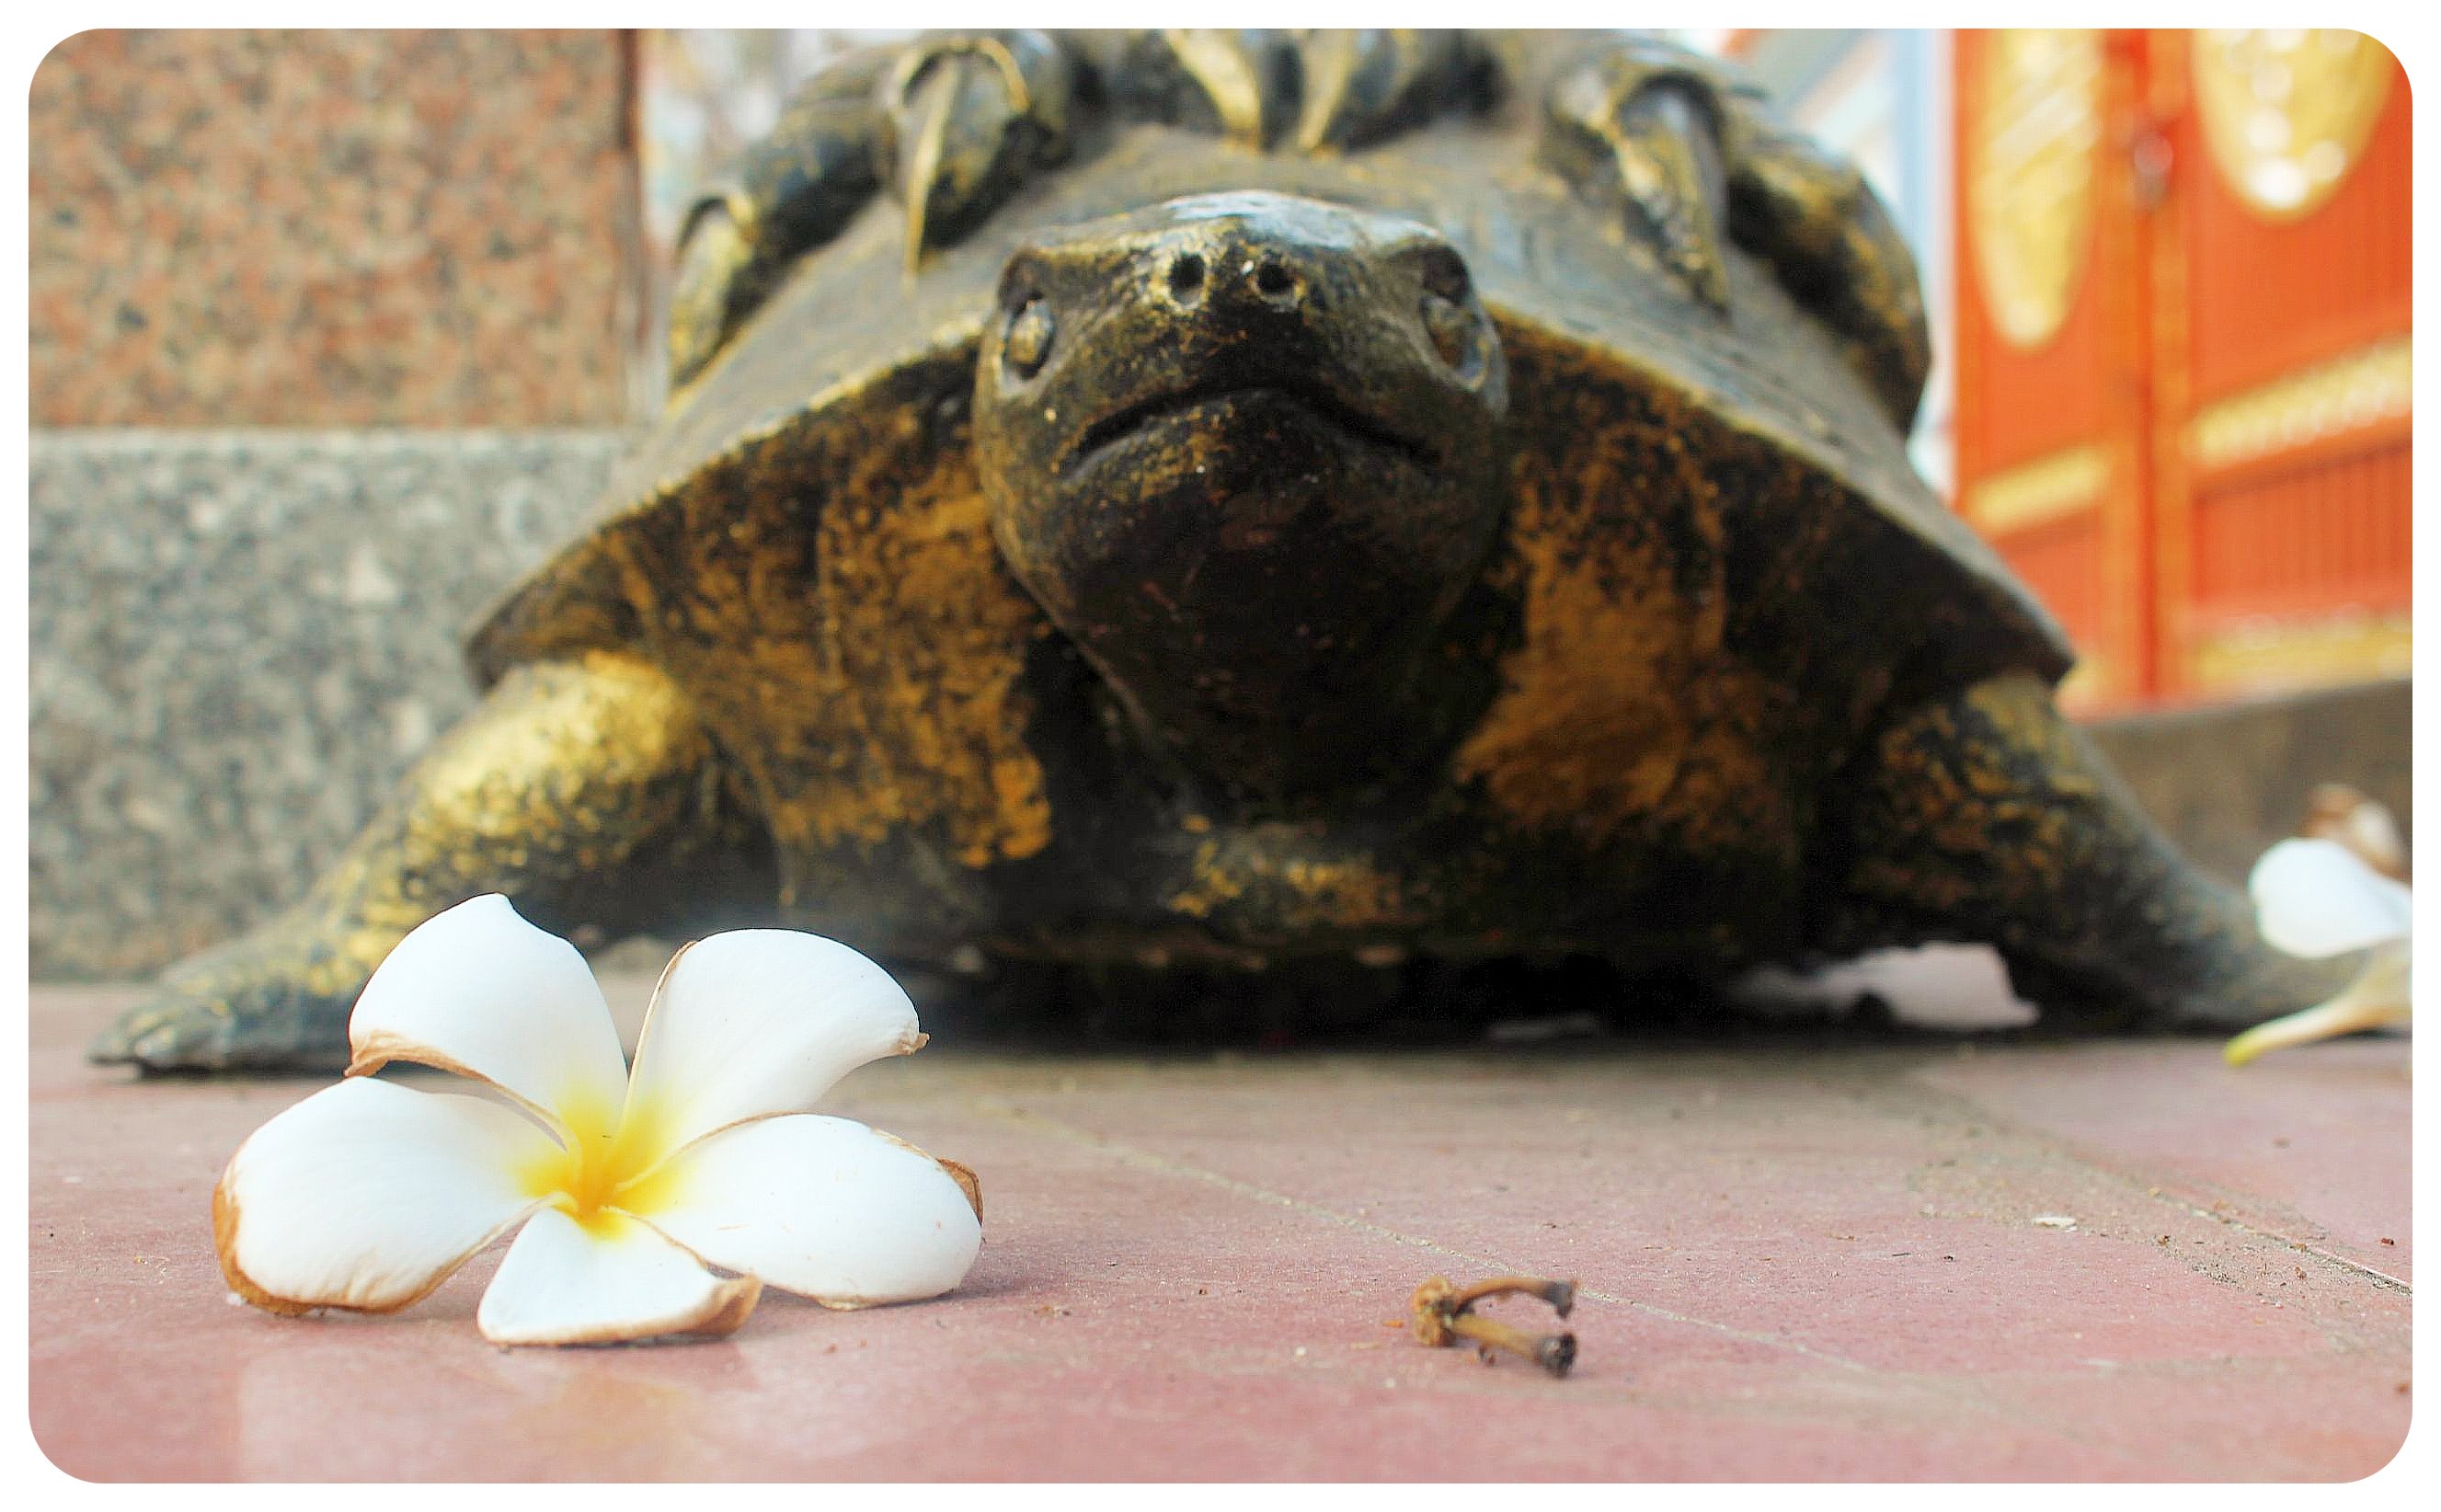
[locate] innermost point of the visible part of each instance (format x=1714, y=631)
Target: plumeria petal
x=2377, y=999
x=822, y=1207
x=757, y=1022
x=2319, y=898
x=368, y=1194
x=478, y=991
x=607, y=1279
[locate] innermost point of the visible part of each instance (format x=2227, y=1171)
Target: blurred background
x=335, y=333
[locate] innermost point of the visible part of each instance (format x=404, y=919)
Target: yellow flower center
x=607, y=1165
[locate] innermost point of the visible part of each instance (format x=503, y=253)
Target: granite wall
x=416, y=228
x=333, y=333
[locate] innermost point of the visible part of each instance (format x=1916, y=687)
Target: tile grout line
x=2380, y=1278
x=2099, y=1162
x=1147, y=1160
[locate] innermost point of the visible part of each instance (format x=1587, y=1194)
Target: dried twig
x=1442, y=1313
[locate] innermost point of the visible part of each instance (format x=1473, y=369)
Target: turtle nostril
x=1187, y=277
x=1274, y=281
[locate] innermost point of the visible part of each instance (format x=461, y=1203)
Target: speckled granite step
x=240, y=639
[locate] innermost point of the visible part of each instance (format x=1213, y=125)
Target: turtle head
x=1245, y=450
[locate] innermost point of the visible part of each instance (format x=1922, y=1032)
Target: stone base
x=240, y=640
x=2229, y=780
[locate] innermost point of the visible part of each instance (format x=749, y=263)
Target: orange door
x=2285, y=528
x=2182, y=316
x=2051, y=437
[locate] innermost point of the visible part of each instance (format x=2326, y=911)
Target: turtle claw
x=1635, y=130
x=966, y=118
x=1236, y=84
x=1690, y=153
x=1360, y=87
x=1835, y=247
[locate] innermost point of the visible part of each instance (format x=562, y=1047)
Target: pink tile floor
x=1795, y=1262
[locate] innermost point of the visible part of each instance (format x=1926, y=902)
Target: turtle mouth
x=1106, y=435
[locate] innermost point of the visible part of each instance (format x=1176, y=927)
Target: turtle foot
x=230, y=1011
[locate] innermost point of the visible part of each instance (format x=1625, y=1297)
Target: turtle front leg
x=1987, y=817
x=585, y=790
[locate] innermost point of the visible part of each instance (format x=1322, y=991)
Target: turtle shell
x=802, y=539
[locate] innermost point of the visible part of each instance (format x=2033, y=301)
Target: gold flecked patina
x=926, y=636
x=828, y=591
x=893, y=634
x=1336, y=505
x=1297, y=893
x=563, y=777
x=1594, y=724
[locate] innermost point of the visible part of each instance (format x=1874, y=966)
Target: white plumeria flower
x=2315, y=899
x=370, y=1194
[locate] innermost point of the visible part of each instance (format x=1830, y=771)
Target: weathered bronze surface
x=1253, y=502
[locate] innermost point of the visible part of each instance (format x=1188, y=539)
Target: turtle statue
x=1255, y=502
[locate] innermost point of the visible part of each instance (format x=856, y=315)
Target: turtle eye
x=1028, y=343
